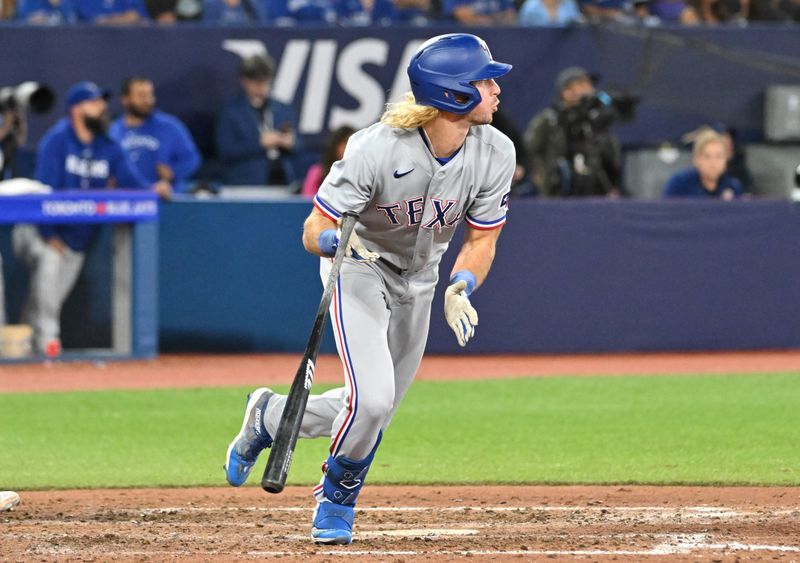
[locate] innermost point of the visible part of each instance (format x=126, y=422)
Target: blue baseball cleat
x=251, y=440
x=333, y=524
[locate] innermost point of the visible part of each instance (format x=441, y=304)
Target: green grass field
x=739, y=429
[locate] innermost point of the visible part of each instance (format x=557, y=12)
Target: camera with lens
x=593, y=165
x=595, y=113
x=32, y=96
x=15, y=102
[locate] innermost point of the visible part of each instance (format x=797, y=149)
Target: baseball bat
x=280, y=456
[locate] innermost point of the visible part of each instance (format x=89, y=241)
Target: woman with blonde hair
x=707, y=177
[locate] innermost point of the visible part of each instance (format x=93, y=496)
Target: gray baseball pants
x=52, y=276
x=380, y=323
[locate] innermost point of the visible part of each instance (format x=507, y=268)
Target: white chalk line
x=431, y=534
x=707, y=511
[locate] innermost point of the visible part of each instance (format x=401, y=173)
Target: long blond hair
x=704, y=136
x=407, y=113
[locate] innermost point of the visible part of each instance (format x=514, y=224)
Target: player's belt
x=392, y=267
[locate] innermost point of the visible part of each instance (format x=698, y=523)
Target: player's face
x=490, y=100
x=141, y=101
x=711, y=160
x=257, y=91
x=93, y=109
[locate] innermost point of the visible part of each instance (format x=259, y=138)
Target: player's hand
x=57, y=244
x=271, y=140
x=163, y=189
x=355, y=248
x=165, y=172
x=459, y=312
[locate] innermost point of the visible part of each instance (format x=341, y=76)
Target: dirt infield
x=519, y=523
x=410, y=524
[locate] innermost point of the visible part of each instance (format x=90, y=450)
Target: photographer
x=572, y=152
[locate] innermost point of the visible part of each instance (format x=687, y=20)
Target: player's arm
x=471, y=268
x=316, y=223
x=477, y=253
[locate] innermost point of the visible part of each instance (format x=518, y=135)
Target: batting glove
x=459, y=312
x=355, y=248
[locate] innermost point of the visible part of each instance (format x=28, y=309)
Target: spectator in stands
x=604, y=10
x=189, y=10
x=233, y=12
x=8, y=9
x=382, y=12
x=667, y=11
x=281, y=12
x=162, y=11
x=707, y=177
x=111, y=12
x=554, y=13
x=563, y=160
x=46, y=12
x=736, y=164
x=76, y=153
x=158, y=144
x=256, y=136
x=333, y=151
x=480, y=12
x=743, y=11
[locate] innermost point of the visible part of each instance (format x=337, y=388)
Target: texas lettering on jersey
x=414, y=208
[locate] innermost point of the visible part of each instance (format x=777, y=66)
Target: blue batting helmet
x=443, y=68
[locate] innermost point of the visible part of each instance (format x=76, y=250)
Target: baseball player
x=75, y=154
x=432, y=162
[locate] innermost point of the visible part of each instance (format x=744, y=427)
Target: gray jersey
x=409, y=203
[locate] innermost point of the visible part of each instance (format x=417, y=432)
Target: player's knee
x=376, y=407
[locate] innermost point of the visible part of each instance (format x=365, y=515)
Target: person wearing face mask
x=75, y=154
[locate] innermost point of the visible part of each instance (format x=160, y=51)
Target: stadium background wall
x=570, y=276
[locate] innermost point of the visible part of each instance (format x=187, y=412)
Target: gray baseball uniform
x=409, y=205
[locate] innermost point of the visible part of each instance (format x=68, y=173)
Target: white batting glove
x=355, y=248
x=459, y=312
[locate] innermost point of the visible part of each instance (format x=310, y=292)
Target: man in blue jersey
x=75, y=154
x=158, y=144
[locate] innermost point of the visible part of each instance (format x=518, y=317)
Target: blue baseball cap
x=83, y=91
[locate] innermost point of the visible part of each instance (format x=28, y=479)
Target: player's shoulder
x=59, y=133
x=117, y=128
x=373, y=139
x=490, y=137
x=167, y=120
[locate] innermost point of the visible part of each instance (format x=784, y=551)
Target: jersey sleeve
x=348, y=186
x=489, y=209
